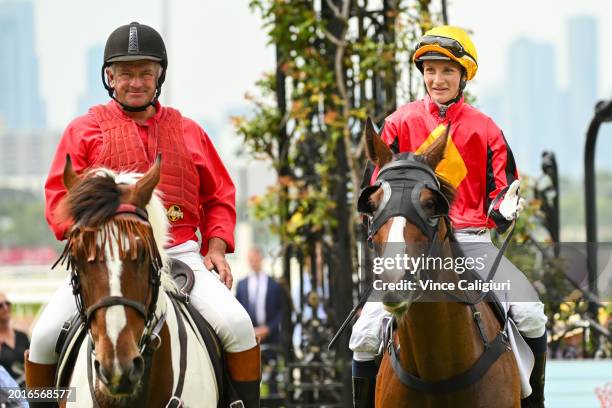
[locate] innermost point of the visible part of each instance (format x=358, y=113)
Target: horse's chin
x=103, y=393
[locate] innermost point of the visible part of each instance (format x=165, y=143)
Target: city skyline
x=536, y=113
x=21, y=104
x=542, y=113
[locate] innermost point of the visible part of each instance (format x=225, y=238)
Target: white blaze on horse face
x=395, y=245
x=116, y=318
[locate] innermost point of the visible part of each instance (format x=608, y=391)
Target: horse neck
x=438, y=338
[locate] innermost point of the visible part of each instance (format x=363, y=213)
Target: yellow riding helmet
x=447, y=43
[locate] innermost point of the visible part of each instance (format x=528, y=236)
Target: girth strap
x=491, y=353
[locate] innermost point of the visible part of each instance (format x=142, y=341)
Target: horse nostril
x=103, y=375
x=137, y=369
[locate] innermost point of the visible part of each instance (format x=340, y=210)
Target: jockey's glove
x=512, y=204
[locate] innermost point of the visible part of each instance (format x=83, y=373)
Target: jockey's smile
x=134, y=82
x=442, y=79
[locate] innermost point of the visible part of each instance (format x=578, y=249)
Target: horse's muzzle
x=124, y=382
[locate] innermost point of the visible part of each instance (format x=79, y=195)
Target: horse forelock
x=157, y=214
x=94, y=201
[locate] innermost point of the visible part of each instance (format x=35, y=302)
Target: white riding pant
x=209, y=296
x=528, y=316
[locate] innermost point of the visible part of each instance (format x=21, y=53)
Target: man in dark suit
x=262, y=297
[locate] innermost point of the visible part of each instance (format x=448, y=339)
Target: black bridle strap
x=116, y=301
x=366, y=295
x=90, y=380
x=490, y=355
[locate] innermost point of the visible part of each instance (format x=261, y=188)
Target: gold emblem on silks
x=174, y=213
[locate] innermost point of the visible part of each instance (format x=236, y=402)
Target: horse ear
x=70, y=177
x=377, y=151
x=143, y=189
x=435, y=153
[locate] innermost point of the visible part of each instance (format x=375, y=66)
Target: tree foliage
x=338, y=62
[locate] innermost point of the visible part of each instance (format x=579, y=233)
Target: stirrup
x=237, y=404
x=175, y=402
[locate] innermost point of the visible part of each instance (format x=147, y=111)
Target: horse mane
x=92, y=204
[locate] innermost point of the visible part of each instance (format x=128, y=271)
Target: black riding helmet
x=134, y=42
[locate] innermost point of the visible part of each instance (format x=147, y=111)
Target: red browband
x=132, y=209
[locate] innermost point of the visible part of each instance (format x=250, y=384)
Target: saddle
x=73, y=333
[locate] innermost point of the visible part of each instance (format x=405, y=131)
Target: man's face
x=135, y=82
x=442, y=79
x=255, y=260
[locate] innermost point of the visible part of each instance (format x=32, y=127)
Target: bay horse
x=137, y=343
x=436, y=354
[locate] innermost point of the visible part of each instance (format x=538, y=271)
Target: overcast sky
x=218, y=49
x=497, y=24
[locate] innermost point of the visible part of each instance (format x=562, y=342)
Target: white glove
x=512, y=204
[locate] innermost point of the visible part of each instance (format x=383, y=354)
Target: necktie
x=253, y=301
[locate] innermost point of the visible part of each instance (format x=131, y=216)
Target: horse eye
x=372, y=207
x=430, y=205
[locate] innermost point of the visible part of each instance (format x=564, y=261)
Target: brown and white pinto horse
x=137, y=341
x=437, y=341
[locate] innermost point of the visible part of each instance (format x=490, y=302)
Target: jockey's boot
x=536, y=379
x=245, y=374
x=38, y=376
x=363, y=392
x=364, y=383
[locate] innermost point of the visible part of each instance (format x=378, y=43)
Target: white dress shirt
x=257, y=291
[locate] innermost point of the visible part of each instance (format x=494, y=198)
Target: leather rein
x=150, y=339
x=401, y=176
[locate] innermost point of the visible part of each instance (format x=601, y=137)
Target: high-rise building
x=94, y=93
x=531, y=102
x=582, y=89
x=26, y=152
x=21, y=105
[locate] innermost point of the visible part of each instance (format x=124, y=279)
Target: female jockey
x=479, y=163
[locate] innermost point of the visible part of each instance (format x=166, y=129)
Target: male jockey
x=480, y=164
x=127, y=134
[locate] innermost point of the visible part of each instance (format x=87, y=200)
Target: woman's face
x=5, y=308
x=442, y=79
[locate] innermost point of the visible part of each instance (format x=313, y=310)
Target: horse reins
x=150, y=339
x=397, y=176
x=147, y=313
x=492, y=350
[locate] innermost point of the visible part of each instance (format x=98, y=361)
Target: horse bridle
x=150, y=334
x=409, y=177
x=405, y=177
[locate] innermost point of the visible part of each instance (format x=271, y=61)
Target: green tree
x=338, y=61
